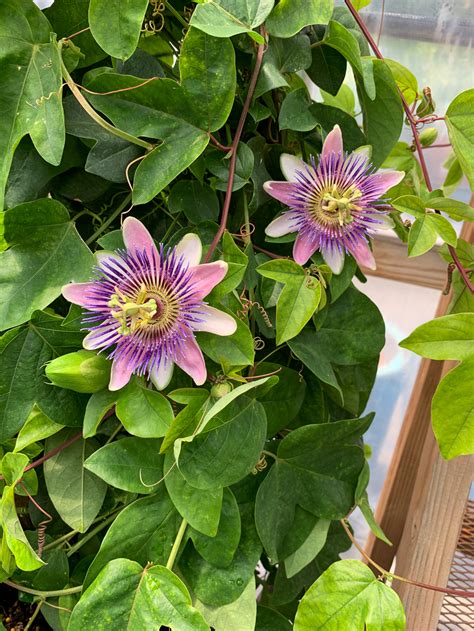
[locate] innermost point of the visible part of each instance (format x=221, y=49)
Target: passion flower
x=145, y=304
x=331, y=203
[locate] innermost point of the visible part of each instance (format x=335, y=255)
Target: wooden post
x=395, y=499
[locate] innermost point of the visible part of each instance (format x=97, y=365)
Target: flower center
x=155, y=308
x=335, y=205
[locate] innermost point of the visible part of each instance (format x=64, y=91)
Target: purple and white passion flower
x=331, y=204
x=146, y=303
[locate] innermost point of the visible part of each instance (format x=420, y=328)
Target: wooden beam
x=431, y=532
x=428, y=270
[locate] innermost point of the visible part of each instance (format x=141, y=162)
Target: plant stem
x=416, y=137
x=35, y=613
x=63, y=539
x=176, y=544
x=110, y=219
x=177, y=15
x=90, y=535
x=387, y=574
x=48, y=594
x=235, y=144
x=84, y=103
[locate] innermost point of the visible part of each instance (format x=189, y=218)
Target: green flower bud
x=82, y=371
x=219, y=390
x=428, y=136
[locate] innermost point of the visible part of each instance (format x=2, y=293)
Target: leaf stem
x=84, y=103
x=177, y=15
x=90, y=535
x=390, y=575
x=110, y=219
x=235, y=144
x=42, y=594
x=35, y=614
x=176, y=544
x=416, y=137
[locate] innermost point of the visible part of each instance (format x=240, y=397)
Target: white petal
x=289, y=165
x=312, y=88
x=280, y=226
x=190, y=248
x=334, y=258
x=215, y=321
x=161, y=376
x=384, y=222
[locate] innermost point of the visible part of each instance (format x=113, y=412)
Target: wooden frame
x=422, y=502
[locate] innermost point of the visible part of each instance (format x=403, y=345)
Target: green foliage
x=166, y=505
x=348, y=593
x=459, y=119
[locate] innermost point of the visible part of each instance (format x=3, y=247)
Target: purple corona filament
x=145, y=303
x=331, y=204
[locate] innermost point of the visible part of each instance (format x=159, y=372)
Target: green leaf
x=207, y=68
x=232, y=351
x=360, y=4
x=341, y=38
x=309, y=549
x=282, y=403
x=444, y=228
x=97, y=406
x=109, y=154
x=238, y=615
x=422, y=236
x=348, y=595
x=30, y=84
x=459, y=120
x=116, y=25
x=37, y=427
x=228, y=448
x=76, y=494
x=307, y=349
x=459, y=211
x=143, y=532
x=224, y=18
x=218, y=586
x=328, y=68
x=271, y=620
x=410, y=204
x=159, y=109
x=452, y=411
x=24, y=352
x=448, y=337
x=12, y=467
x=344, y=99
x=290, y=16
x=201, y=508
x=218, y=165
x=298, y=300
x=186, y=421
x=197, y=201
x=405, y=80
x=328, y=116
x=130, y=597
x=282, y=56
x=237, y=262
x=130, y=464
x=295, y=112
x=220, y=548
x=317, y=467
x=383, y=117
x=25, y=557
x=44, y=253
x=366, y=511
x=142, y=411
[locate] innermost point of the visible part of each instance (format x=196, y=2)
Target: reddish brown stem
x=217, y=144
x=50, y=454
x=413, y=122
x=235, y=144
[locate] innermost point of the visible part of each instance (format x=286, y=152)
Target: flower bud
x=428, y=136
x=219, y=390
x=82, y=371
